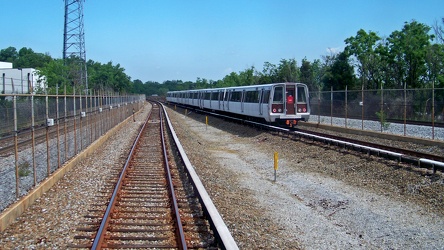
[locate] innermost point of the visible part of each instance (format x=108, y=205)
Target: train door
x=219, y=94
x=242, y=100
x=201, y=97
x=227, y=100
x=290, y=99
x=261, y=95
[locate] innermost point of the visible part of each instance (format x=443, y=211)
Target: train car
x=278, y=103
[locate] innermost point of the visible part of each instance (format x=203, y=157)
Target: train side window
x=265, y=96
x=252, y=96
x=278, y=96
x=214, y=96
x=236, y=96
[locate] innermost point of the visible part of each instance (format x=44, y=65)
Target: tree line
x=412, y=57
x=60, y=73
x=409, y=58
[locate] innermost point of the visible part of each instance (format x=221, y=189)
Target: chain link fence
x=39, y=133
x=405, y=106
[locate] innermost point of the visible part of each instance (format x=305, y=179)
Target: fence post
x=17, y=176
x=382, y=108
x=319, y=106
x=64, y=125
x=405, y=108
x=34, y=164
x=433, y=110
x=4, y=84
x=92, y=117
x=58, y=126
x=331, y=106
x=74, y=117
x=48, y=155
x=362, y=107
x=80, y=120
x=346, y=105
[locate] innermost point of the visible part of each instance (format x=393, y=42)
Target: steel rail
x=218, y=225
x=402, y=155
x=179, y=228
x=180, y=235
x=98, y=240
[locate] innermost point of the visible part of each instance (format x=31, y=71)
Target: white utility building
x=18, y=80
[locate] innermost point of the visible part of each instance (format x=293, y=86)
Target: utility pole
x=74, y=53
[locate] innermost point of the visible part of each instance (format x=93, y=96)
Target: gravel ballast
x=323, y=197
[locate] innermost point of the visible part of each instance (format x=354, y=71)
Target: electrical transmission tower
x=74, y=54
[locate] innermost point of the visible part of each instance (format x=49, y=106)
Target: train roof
x=235, y=87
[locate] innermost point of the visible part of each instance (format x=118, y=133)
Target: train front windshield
x=278, y=99
x=301, y=94
x=301, y=102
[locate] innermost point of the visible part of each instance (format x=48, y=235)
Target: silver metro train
x=278, y=103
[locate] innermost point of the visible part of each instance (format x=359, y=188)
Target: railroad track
x=152, y=204
x=424, y=160
x=394, y=153
x=42, y=133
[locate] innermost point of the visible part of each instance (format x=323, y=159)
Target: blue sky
x=158, y=40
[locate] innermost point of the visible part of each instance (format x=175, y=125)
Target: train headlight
x=279, y=110
x=299, y=110
x=304, y=109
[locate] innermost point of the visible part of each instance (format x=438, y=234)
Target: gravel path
x=324, y=198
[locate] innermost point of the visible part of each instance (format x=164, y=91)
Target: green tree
x=307, y=73
x=54, y=73
x=269, y=74
x=27, y=58
x=9, y=54
x=318, y=70
x=439, y=31
x=363, y=48
x=202, y=83
x=340, y=74
x=288, y=71
x=247, y=77
x=231, y=80
x=108, y=77
x=407, y=54
x=435, y=65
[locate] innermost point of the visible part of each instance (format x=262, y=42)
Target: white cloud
x=228, y=70
x=334, y=50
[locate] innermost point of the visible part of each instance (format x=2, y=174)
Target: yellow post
x=206, y=122
x=276, y=160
